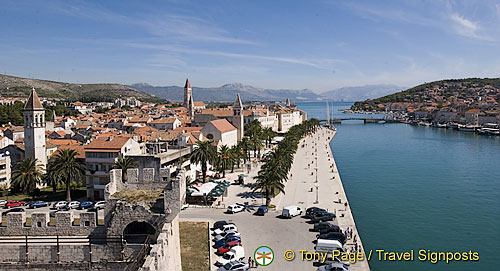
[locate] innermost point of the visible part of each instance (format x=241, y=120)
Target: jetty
x=315, y=181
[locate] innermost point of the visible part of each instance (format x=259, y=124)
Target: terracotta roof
x=199, y=104
x=164, y=120
x=472, y=111
x=62, y=142
x=33, y=101
x=218, y=112
x=78, y=148
x=223, y=125
x=187, y=129
x=187, y=85
x=104, y=144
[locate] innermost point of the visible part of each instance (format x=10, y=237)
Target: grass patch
x=135, y=196
x=47, y=195
x=194, y=246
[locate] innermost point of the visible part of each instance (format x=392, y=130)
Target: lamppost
x=317, y=189
x=316, y=168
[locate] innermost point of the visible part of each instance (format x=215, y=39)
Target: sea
x=419, y=188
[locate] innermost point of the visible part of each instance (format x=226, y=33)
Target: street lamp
x=316, y=168
x=317, y=189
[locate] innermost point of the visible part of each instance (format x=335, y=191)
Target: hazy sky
x=319, y=45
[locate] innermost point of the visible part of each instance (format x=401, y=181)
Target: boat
x=452, y=125
x=467, y=128
x=489, y=129
x=441, y=125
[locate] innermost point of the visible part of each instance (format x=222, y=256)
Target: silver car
x=234, y=265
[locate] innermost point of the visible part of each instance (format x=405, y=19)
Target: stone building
x=34, y=129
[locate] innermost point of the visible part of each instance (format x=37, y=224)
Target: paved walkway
x=314, y=155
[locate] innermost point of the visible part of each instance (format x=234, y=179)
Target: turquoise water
x=420, y=188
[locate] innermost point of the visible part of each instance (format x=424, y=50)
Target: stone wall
x=64, y=224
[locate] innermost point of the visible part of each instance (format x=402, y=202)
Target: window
x=210, y=136
x=87, y=223
x=39, y=224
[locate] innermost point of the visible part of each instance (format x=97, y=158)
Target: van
x=291, y=211
x=325, y=245
x=236, y=253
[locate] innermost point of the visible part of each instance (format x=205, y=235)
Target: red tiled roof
x=223, y=125
x=187, y=85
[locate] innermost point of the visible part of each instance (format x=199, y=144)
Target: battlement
x=41, y=224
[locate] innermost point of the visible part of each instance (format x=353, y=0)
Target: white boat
x=490, y=129
x=441, y=125
x=467, y=128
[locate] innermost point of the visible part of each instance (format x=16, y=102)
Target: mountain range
x=227, y=93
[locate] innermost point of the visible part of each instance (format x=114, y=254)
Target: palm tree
x=237, y=155
x=68, y=169
x=124, y=163
x=267, y=184
x=268, y=135
x=245, y=145
x=204, y=153
x=27, y=175
x=254, y=131
x=225, y=158
x=51, y=178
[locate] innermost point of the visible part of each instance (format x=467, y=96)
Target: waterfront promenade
x=313, y=156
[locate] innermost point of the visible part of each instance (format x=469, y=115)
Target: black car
x=311, y=210
x=320, y=226
x=322, y=216
x=13, y=210
x=219, y=224
x=334, y=229
x=333, y=236
x=262, y=210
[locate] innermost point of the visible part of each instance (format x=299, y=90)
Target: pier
x=364, y=119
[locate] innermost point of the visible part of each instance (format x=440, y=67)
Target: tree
x=245, y=145
x=204, y=153
x=268, y=135
x=225, y=158
x=237, y=154
x=267, y=183
x=254, y=131
x=124, y=163
x=51, y=178
x=68, y=169
x=27, y=175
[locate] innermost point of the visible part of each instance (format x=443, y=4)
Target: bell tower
x=188, y=93
x=34, y=129
x=238, y=117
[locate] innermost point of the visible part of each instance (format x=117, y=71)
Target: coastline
x=301, y=187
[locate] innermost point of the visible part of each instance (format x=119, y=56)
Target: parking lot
x=269, y=230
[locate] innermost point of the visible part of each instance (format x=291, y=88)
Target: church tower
x=34, y=129
x=190, y=107
x=188, y=93
x=238, y=117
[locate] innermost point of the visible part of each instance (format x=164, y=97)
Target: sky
x=318, y=45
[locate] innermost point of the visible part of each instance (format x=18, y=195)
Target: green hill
x=11, y=86
x=458, y=88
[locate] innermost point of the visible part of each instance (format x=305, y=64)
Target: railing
x=138, y=260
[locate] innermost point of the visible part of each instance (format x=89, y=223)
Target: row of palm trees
x=62, y=168
x=273, y=175
x=256, y=137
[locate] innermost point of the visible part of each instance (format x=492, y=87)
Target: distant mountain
x=227, y=93
x=12, y=86
x=360, y=93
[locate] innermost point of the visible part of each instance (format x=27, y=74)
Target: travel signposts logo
x=263, y=256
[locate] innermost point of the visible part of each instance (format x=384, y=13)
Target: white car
x=236, y=253
x=61, y=205
x=223, y=235
x=235, y=265
x=74, y=205
x=2, y=203
x=100, y=205
x=228, y=227
x=235, y=208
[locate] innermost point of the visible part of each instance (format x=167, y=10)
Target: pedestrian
x=355, y=238
x=250, y=261
x=345, y=205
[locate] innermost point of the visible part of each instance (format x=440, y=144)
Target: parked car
x=322, y=216
x=236, y=253
x=61, y=205
x=100, y=205
x=74, y=205
x=2, y=203
x=38, y=204
x=328, y=246
x=13, y=210
x=225, y=228
x=334, y=267
x=225, y=248
x=86, y=205
x=324, y=226
x=235, y=266
x=334, y=229
x=262, y=210
x=228, y=239
x=230, y=243
x=219, y=224
x=312, y=210
x=235, y=208
x=333, y=236
x=291, y=211
x=226, y=234
x=14, y=203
